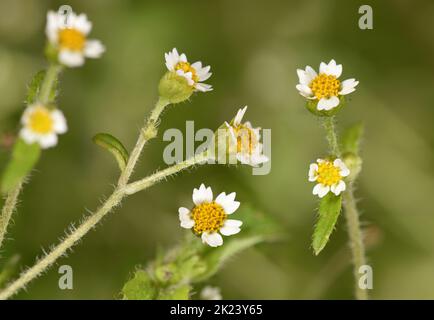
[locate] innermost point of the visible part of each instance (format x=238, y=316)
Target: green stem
x=351, y=214
x=61, y=248
x=148, y=132
x=48, y=83
x=329, y=126
x=148, y=181
x=356, y=238
x=8, y=209
x=114, y=200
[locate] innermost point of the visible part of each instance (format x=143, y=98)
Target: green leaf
x=24, y=157
x=329, y=209
x=351, y=138
x=35, y=87
x=114, y=146
x=140, y=287
x=181, y=292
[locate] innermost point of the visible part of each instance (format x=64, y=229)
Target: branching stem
x=351, y=214
x=90, y=222
x=148, y=132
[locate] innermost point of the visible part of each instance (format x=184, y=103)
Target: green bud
x=312, y=106
x=354, y=163
x=165, y=273
x=174, y=88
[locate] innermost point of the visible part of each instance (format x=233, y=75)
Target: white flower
x=325, y=86
x=42, y=125
x=329, y=176
x=245, y=140
x=194, y=73
x=209, y=218
x=70, y=38
x=210, y=293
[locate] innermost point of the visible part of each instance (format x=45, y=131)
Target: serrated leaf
x=34, y=88
x=140, y=287
x=351, y=138
x=328, y=211
x=114, y=146
x=24, y=157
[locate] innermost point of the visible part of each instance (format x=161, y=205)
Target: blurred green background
x=254, y=48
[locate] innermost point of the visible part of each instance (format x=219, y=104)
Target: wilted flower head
x=325, y=86
x=42, y=125
x=69, y=38
x=209, y=218
x=329, y=176
x=193, y=73
x=245, y=140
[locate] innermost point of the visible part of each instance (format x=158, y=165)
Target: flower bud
x=354, y=163
x=165, y=273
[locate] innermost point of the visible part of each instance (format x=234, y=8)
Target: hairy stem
x=356, y=239
x=8, y=209
x=351, y=214
x=148, y=181
x=149, y=131
x=48, y=82
x=116, y=197
x=329, y=126
x=61, y=248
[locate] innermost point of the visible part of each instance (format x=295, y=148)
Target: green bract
x=174, y=88
x=311, y=105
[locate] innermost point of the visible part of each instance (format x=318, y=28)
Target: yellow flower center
x=246, y=139
x=71, y=39
x=328, y=174
x=208, y=217
x=40, y=121
x=325, y=86
x=186, y=67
